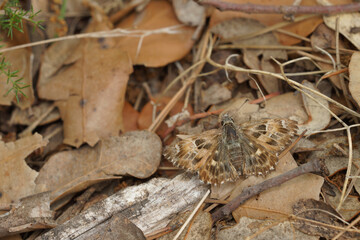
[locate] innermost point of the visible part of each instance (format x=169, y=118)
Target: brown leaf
x=303, y=28
x=262, y=229
x=320, y=212
x=354, y=74
x=90, y=93
x=19, y=61
x=156, y=49
x=16, y=177
x=305, y=186
x=349, y=24
x=130, y=117
x=146, y=114
x=189, y=12
x=319, y=117
x=26, y=117
x=135, y=153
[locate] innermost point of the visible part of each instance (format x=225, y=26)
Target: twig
x=310, y=167
x=191, y=215
x=281, y=9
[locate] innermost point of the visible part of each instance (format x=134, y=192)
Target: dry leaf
x=354, y=75
x=349, y=23
x=303, y=28
x=156, y=49
x=349, y=208
x=262, y=230
x=90, y=93
x=134, y=153
x=318, y=116
x=285, y=195
x=16, y=177
x=238, y=27
x=189, y=12
x=147, y=113
x=130, y=118
x=320, y=212
x=28, y=116
x=335, y=160
x=215, y=94
x=20, y=60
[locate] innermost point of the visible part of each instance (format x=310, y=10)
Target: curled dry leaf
x=135, y=153
x=285, y=196
x=156, y=49
x=318, y=116
x=16, y=177
x=354, y=74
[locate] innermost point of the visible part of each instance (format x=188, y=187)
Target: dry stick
x=271, y=28
x=276, y=47
x=310, y=167
x=191, y=215
x=118, y=32
x=281, y=9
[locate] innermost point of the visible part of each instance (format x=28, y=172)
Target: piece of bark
x=150, y=206
x=29, y=214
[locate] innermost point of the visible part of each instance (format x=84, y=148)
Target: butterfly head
x=226, y=120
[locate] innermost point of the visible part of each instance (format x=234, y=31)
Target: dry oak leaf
x=90, y=93
x=136, y=153
x=16, y=177
x=156, y=49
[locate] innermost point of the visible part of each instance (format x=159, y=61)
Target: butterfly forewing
x=224, y=154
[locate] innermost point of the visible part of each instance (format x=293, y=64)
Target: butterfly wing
x=264, y=141
x=202, y=153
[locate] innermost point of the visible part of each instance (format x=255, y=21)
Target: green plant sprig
x=11, y=17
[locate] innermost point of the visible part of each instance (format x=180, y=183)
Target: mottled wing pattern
x=202, y=153
x=222, y=155
x=263, y=141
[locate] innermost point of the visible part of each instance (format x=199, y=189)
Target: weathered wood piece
x=150, y=206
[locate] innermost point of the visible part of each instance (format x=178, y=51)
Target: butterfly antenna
x=262, y=94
